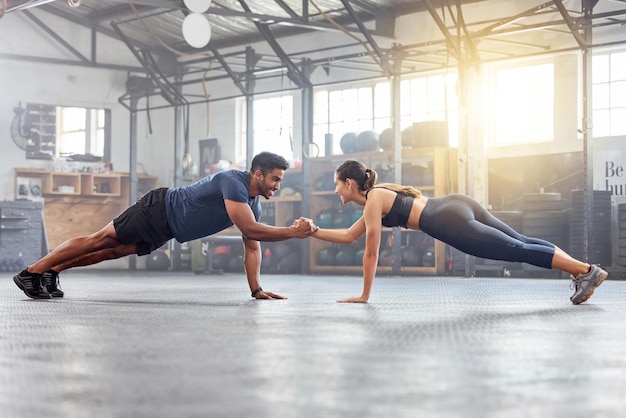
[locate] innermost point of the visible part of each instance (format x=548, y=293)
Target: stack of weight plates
x=600, y=236
x=621, y=234
x=543, y=218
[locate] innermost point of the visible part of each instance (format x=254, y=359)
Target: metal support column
x=132, y=169
x=307, y=136
x=396, y=80
x=587, y=11
x=250, y=82
x=179, y=143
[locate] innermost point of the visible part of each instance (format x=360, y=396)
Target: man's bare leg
x=74, y=248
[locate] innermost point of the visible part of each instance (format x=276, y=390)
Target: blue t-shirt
x=198, y=210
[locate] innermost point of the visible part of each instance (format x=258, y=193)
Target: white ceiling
x=257, y=40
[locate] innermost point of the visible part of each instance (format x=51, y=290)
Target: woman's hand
x=354, y=299
x=303, y=227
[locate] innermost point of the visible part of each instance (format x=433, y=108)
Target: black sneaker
x=31, y=284
x=50, y=281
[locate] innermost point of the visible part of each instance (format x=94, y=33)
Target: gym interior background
x=519, y=104
x=515, y=105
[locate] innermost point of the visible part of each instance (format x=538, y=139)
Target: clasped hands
x=304, y=227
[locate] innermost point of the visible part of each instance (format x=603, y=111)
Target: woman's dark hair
x=268, y=161
x=366, y=178
x=355, y=170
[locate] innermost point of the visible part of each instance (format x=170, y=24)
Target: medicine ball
x=348, y=143
x=412, y=174
x=267, y=262
x=345, y=256
x=326, y=256
x=158, y=261
x=341, y=218
x=220, y=261
x=385, y=139
x=386, y=257
x=286, y=191
x=325, y=182
x=428, y=257
x=325, y=219
x=411, y=256
x=282, y=249
x=291, y=263
x=222, y=249
x=407, y=138
x=358, y=257
x=235, y=264
x=367, y=141
x=356, y=214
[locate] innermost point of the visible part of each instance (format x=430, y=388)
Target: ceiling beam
x=380, y=56
x=77, y=20
x=56, y=37
x=570, y=24
x=293, y=72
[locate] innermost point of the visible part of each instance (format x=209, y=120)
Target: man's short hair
x=268, y=161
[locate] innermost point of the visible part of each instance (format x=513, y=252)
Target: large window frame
x=272, y=122
x=430, y=98
x=81, y=131
x=350, y=109
x=521, y=98
x=609, y=93
x=355, y=109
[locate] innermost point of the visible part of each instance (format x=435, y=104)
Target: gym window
x=431, y=98
x=81, y=131
x=272, y=124
x=355, y=110
x=609, y=94
x=523, y=103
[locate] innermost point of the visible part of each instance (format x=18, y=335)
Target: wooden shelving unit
x=80, y=203
x=102, y=184
x=41, y=119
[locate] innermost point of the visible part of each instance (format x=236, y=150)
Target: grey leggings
x=461, y=222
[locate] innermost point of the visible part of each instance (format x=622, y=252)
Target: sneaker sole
x=19, y=284
x=590, y=293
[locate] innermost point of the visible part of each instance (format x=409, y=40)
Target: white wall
x=57, y=85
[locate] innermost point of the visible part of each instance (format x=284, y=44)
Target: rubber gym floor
x=144, y=344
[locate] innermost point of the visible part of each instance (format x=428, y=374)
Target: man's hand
x=354, y=299
x=268, y=295
x=303, y=227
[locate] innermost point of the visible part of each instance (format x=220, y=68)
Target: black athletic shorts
x=145, y=223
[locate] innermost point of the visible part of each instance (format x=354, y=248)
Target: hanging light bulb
x=198, y=6
x=196, y=30
x=196, y=27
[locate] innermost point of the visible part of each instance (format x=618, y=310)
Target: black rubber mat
x=123, y=344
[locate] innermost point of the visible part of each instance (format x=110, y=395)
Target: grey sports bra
x=400, y=210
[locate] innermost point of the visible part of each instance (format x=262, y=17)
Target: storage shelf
x=60, y=184
x=282, y=199
x=101, y=184
x=80, y=212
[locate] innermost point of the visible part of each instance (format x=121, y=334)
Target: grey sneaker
x=50, y=280
x=31, y=284
x=585, y=284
